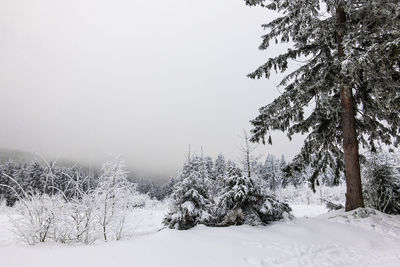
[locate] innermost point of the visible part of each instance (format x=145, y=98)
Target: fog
x=143, y=79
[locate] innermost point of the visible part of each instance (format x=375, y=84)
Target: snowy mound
x=369, y=219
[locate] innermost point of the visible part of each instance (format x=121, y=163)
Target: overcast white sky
x=85, y=78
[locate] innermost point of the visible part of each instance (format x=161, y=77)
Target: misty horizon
x=82, y=80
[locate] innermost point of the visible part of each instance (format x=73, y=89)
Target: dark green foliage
x=371, y=67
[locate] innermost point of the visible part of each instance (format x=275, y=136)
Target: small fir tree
x=243, y=202
x=191, y=204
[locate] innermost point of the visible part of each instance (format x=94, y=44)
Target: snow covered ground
x=330, y=239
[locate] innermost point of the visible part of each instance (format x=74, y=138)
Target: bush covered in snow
x=37, y=217
x=382, y=183
x=84, y=218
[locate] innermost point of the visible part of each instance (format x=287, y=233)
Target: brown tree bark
x=354, y=197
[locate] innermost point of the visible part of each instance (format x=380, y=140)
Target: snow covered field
x=329, y=239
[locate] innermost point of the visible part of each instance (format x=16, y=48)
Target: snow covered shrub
x=60, y=228
x=244, y=202
x=36, y=217
x=113, y=199
x=382, y=185
x=190, y=203
x=84, y=216
x=43, y=217
x=81, y=219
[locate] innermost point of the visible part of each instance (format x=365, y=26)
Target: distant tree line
x=43, y=178
x=49, y=179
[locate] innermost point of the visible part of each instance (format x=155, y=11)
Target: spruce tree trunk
x=354, y=198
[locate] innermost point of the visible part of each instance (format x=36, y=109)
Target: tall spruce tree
x=350, y=80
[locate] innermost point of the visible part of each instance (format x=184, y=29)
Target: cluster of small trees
x=219, y=194
x=82, y=217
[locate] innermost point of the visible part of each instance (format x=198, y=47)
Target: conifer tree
x=243, y=202
x=220, y=167
x=209, y=168
x=191, y=204
x=192, y=197
x=272, y=168
x=350, y=80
